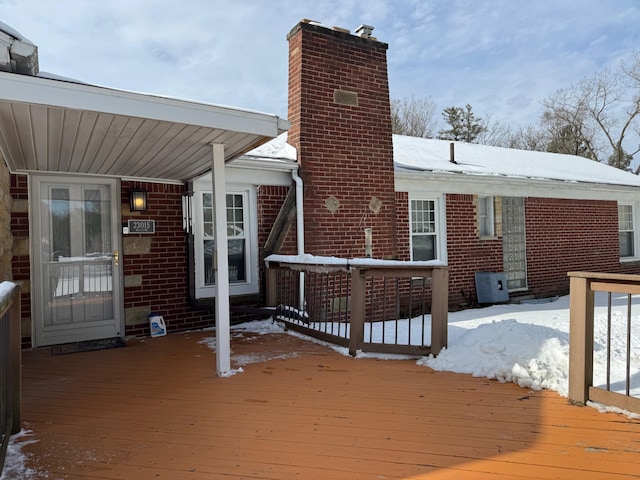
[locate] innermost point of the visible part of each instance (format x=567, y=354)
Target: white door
x=76, y=281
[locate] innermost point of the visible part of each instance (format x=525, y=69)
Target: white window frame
x=250, y=284
x=633, y=229
x=439, y=223
x=486, y=219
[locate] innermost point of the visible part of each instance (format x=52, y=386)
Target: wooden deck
x=156, y=410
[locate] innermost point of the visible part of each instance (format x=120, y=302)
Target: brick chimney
x=341, y=126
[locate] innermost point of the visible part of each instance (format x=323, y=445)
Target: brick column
x=341, y=125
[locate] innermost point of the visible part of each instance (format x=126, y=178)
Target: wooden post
x=272, y=279
x=580, y=339
x=358, y=298
x=439, y=309
x=15, y=356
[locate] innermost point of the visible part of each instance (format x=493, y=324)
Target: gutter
x=299, y=230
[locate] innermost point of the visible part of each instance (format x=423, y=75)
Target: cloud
x=502, y=56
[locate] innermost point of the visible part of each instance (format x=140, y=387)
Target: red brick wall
x=562, y=235
x=165, y=272
x=345, y=149
x=467, y=252
x=21, y=264
x=402, y=225
x=570, y=235
x=270, y=200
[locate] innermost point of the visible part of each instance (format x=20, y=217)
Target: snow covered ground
x=527, y=344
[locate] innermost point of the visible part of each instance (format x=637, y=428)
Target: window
x=235, y=235
x=424, y=230
x=485, y=217
x=626, y=231
x=240, y=221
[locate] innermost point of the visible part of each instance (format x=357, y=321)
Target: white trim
x=57, y=93
x=443, y=183
x=36, y=273
x=489, y=222
x=635, y=216
x=440, y=223
x=251, y=225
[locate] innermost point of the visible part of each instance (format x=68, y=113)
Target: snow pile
x=529, y=344
x=14, y=465
x=532, y=356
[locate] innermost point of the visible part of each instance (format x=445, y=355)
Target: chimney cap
x=364, y=31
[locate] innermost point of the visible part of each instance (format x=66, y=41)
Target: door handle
x=116, y=257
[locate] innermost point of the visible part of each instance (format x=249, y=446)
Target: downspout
x=299, y=231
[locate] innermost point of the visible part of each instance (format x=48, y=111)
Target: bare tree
x=414, y=117
x=530, y=137
x=494, y=133
x=594, y=117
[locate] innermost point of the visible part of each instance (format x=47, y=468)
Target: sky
x=503, y=57
x=527, y=344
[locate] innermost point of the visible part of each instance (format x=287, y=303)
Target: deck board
x=156, y=409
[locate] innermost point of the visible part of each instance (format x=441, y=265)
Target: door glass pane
x=60, y=223
x=93, y=219
x=77, y=255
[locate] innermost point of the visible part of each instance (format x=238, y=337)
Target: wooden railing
x=10, y=365
x=581, y=338
x=374, y=306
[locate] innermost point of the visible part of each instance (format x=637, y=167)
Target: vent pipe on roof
x=364, y=31
x=452, y=155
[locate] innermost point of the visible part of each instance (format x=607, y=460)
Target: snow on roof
x=277, y=148
x=413, y=154
x=429, y=155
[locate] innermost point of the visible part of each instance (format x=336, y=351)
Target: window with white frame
x=424, y=230
x=242, y=253
x=626, y=231
x=236, y=236
x=485, y=216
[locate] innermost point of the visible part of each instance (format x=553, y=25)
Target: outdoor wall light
x=138, y=200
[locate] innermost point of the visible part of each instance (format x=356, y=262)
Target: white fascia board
x=56, y=93
x=510, y=186
x=270, y=164
x=168, y=181
x=246, y=176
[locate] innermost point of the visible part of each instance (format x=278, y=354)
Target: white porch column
x=223, y=337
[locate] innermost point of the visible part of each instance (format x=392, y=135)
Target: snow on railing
x=365, y=304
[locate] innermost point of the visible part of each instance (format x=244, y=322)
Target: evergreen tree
x=568, y=139
x=620, y=159
x=464, y=125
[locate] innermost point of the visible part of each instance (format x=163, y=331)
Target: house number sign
x=142, y=226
